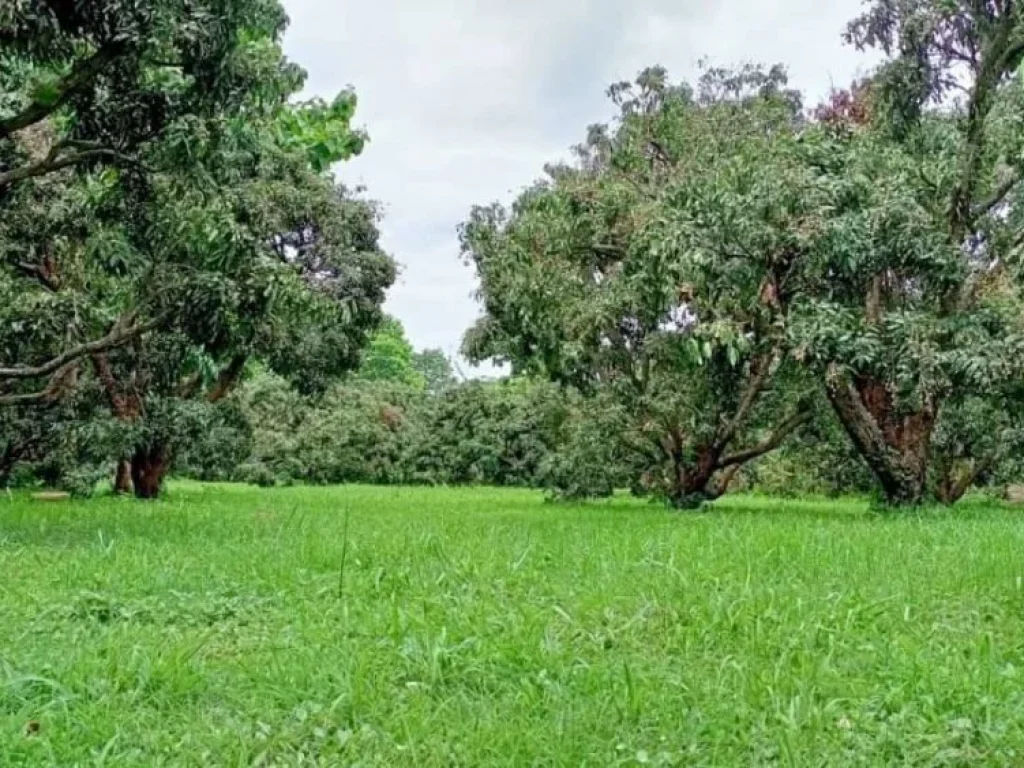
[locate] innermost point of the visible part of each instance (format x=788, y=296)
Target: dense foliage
x=719, y=255
x=913, y=306
x=722, y=290
x=383, y=425
x=167, y=217
x=656, y=275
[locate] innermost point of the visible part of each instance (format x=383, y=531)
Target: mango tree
x=914, y=310
x=168, y=215
x=657, y=274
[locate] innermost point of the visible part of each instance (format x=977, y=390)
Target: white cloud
x=465, y=100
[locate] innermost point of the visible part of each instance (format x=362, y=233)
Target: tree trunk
x=123, y=478
x=692, y=480
x=896, y=447
x=149, y=467
x=693, y=483
x=8, y=460
x=957, y=480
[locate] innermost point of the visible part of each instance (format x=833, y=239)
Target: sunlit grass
x=483, y=627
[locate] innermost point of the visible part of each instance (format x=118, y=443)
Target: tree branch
x=952, y=489
x=36, y=398
x=784, y=430
x=227, y=379
x=54, y=162
x=999, y=55
x=721, y=485
x=82, y=74
x=42, y=273
x=122, y=333
x=189, y=386
x=1000, y=193
x=57, y=386
x=762, y=370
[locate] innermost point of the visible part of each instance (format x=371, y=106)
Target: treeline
x=405, y=418
x=725, y=288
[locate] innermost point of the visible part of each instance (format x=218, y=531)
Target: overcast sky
x=465, y=100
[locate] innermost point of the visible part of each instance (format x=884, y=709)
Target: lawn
x=435, y=627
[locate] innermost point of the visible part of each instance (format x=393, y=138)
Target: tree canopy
x=168, y=214
x=913, y=308
x=718, y=274
x=657, y=273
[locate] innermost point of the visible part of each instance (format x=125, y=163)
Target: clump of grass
x=432, y=627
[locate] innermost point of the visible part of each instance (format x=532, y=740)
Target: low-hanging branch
x=124, y=330
x=62, y=381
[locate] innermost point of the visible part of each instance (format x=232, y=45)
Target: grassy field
x=234, y=626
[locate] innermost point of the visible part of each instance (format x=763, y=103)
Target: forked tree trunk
x=149, y=468
x=895, y=446
x=705, y=472
x=708, y=477
x=123, y=478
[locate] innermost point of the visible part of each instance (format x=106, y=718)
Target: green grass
x=483, y=627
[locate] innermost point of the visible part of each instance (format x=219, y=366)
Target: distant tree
x=487, y=432
x=436, y=369
x=389, y=357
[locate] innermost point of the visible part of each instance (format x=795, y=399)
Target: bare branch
x=54, y=162
x=122, y=333
x=227, y=379
x=62, y=381
x=762, y=367
x=773, y=441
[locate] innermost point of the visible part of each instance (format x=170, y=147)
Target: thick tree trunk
x=149, y=467
x=123, y=478
x=692, y=480
x=896, y=447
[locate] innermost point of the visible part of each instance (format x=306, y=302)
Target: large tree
x=657, y=273
x=168, y=214
x=913, y=312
